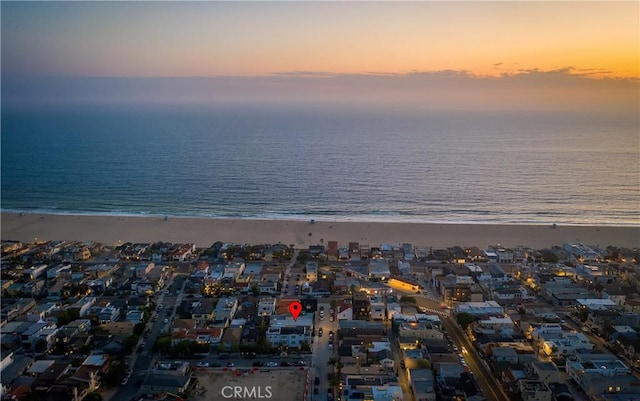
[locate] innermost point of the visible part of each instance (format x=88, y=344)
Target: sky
x=408, y=51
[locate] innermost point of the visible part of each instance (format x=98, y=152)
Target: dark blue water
x=378, y=165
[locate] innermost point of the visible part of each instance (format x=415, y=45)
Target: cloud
x=560, y=88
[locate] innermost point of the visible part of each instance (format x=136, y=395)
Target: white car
x=203, y=364
x=272, y=364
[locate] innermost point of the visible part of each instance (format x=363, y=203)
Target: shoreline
x=204, y=231
x=306, y=217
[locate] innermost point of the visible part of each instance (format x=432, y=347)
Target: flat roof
x=40, y=366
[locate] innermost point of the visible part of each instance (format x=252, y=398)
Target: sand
x=113, y=230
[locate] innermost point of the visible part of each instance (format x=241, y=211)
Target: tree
x=183, y=348
x=583, y=315
x=95, y=396
x=255, y=289
x=129, y=343
x=423, y=364
x=67, y=316
x=334, y=305
x=352, y=289
x=465, y=319
x=138, y=329
x=163, y=344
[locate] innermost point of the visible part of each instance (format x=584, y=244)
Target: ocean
x=473, y=166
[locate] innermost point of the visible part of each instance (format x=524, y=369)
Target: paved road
x=321, y=351
x=141, y=363
x=489, y=385
x=492, y=389
x=403, y=377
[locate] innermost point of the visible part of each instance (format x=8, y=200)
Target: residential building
x=534, y=390
x=567, y=344
x=487, y=308
x=109, y=314
x=378, y=308
x=266, y=306
x=226, y=309
x=285, y=331
x=378, y=270
x=361, y=306
x=604, y=368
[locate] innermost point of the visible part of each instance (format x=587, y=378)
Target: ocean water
x=296, y=163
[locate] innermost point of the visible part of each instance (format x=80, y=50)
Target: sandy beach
x=203, y=232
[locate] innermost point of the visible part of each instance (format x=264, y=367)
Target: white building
x=234, y=269
x=535, y=331
x=38, y=331
x=109, y=314
x=142, y=270
x=502, y=326
x=344, y=310
x=266, y=306
x=568, y=344
x=285, y=331
x=34, y=272
x=486, y=308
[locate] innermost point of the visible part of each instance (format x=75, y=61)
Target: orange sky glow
x=208, y=39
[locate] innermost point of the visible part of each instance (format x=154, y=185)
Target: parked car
x=257, y=364
x=272, y=364
x=203, y=364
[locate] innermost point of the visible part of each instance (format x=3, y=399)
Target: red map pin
x=295, y=308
